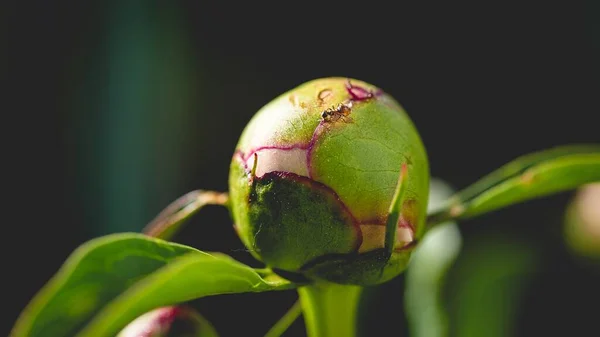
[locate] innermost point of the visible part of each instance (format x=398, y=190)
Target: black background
x=484, y=82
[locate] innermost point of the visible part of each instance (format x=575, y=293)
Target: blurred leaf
x=527, y=177
x=426, y=274
x=114, y=279
x=486, y=285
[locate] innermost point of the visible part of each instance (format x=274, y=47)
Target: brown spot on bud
x=456, y=210
x=324, y=95
x=293, y=99
x=527, y=178
x=296, y=102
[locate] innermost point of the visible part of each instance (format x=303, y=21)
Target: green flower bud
x=171, y=321
x=313, y=177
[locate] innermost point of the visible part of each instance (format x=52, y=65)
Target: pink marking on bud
x=406, y=247
x=358, y=93
x=318, y=131
x=374, y=234
x=167, y=315
x=247, y=158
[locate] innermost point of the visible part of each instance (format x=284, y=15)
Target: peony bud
x=313, y=176
x=171, y=321
x=582, y=225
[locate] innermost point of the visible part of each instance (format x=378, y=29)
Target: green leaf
x=104, y=274
x=190, y=277
x=527, y=177
x=95, y=273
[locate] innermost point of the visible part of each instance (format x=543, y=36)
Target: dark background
x=115, y=108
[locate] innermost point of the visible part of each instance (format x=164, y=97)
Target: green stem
x=284, y=323
x=330, y=310
x=442, y=216
x=170, y=221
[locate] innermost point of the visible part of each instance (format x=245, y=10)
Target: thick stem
x=330, y=310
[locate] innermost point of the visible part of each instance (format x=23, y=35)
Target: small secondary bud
x=171, y=321
x=582, y=225
x=313, y=176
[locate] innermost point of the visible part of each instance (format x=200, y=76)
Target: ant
x=341, y=112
